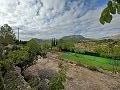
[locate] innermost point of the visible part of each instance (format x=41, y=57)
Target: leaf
x=102, y=20
x=118, y=1
x=118, y=9
x=109, y=4
x=108, y=19
x=113, y=10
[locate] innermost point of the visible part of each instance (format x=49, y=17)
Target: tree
x=6, y=35
x=1, y=51
x=113, y=7
x=54, y=42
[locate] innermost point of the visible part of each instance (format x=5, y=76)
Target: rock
x=15, y=81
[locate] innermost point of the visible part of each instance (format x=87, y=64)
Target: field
x=91, y=61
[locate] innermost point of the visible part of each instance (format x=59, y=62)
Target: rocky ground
x=78, y=77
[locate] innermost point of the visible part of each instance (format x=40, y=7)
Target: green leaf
x=108, y=18
x=109, y=4
x=118, y=1
x=113, y=10
x=102, y=20
x=118, y=9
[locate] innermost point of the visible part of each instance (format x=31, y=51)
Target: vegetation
x=93, y=54
x=91, y=61
x=57, y=82
x=6, y=35
x=54, y=42
x=113, y=7
x=65, y=45
x=109, y=49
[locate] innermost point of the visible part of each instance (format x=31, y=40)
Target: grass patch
x=91, y=61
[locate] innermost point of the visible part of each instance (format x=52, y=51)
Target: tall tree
x=113, y=7
x=6, y=35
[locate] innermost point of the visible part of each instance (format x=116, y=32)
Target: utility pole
x=18, y=34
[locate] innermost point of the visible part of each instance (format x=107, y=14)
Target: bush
x=65, y=45
x=57, y=82
x=18, y=56
x=34, y=47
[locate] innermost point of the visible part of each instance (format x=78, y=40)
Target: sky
x=46, y=19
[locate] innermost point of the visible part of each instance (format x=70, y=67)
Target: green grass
x=90, y=61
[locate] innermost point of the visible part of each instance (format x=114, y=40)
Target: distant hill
x=75, y=38
x=113, y=37
x=42, y=41
x=38, y=40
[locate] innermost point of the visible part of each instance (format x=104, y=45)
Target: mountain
x=38, y=40
x=113, y=37
x=42, y=41
x=75, y=38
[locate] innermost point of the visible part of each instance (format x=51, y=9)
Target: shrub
x=57, y=82
x=18, y=56
x=33, y=47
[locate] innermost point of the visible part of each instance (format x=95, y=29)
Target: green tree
x=54, y=42
x=33, y=47
x=113, y=7
x=1, y=51
x=65, y=45
x=7, y=35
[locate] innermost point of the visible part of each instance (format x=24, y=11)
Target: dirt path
x=78, y=78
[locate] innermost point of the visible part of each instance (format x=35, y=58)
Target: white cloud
x=55, y=18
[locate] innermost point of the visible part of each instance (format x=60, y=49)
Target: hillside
x=117, y=36
x=75, y=38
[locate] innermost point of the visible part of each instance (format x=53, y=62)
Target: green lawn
x=90, y=61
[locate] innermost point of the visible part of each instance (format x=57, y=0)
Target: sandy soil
x=78, y=78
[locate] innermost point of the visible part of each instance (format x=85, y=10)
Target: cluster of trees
x=54, y=42
x=65, y=45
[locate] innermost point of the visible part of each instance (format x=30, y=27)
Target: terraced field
x=92, y=61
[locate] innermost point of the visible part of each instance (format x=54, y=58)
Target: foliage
x=18, y=56
x=112, y=8
x=1, y=82
x=57, y=82
x=54, y=42
x=1, y=51
x=33, y=47
x=65, y=45
x=34, y=82
x=6, y=35
x=91, y=61
x=17, y=42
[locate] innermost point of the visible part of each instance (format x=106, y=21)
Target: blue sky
x=102, y=2
x=57, y=18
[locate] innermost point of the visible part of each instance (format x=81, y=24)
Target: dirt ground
x=78, y=77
